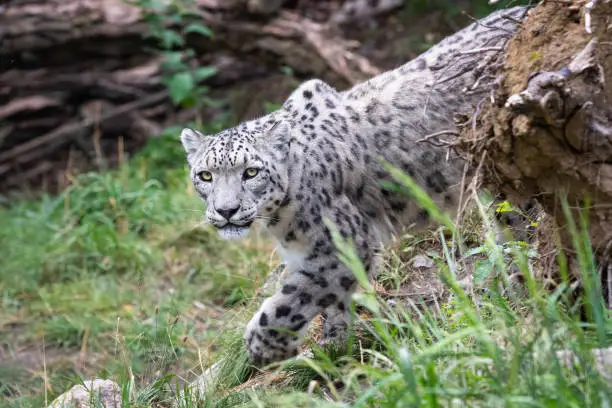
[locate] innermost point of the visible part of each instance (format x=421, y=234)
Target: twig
x=481, y=50
x=437, y=134
x=510, y=18
x=587, y=15
x=480, y=23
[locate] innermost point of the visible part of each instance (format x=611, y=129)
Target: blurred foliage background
x=105, y=266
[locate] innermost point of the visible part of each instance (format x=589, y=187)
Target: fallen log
x=546, y=130
x=59, y=57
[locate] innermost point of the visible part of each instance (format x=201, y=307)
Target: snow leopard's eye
x=205, y=176
x=250, y=172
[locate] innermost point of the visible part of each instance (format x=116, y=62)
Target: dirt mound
x=547, y=133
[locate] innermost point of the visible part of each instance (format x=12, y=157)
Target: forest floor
x=118, y=274
x=118, y=277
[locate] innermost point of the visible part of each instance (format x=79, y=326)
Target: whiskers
x=192, y=210
x=202, y=220
x=266, y=218
x=202, y=223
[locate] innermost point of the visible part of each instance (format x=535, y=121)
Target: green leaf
x=198, y=29
x=474, y=251
x=180, y=87
x=170, y=39
x=201, y=74
x=287, y=70
x=173, y=61
x=175, y=18
x=535, y=55
x=189, y=102
x=482, y=269
x=155, y=6
x=154, y=20
x=504, y=206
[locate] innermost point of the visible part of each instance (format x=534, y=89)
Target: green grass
x=479, y=348
x=117, y=278
x=117, y=275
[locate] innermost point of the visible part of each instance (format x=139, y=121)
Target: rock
x=273, y=281
x=422, y=262
x=93, y=393
x=204, y=383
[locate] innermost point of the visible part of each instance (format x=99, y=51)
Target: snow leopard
x=320, y=162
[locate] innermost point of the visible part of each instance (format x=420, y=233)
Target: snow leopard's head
x=240, y=173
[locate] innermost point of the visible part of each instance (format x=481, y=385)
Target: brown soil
x=527, y=154
x=548, y=40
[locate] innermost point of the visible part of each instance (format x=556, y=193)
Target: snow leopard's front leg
x=320, y=284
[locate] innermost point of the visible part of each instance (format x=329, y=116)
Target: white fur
x=232, y=232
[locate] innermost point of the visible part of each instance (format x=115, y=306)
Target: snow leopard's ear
x=192, y=141
x=276, y=138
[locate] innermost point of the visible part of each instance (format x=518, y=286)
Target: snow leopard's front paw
x=267, y=341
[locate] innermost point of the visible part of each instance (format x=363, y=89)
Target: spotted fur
x=318, y=157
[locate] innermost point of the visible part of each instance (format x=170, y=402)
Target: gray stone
x=422, y=262
x=105, y=392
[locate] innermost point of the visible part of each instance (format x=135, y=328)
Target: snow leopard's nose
x=227, y=212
